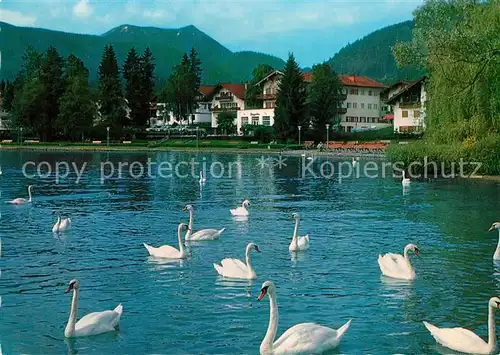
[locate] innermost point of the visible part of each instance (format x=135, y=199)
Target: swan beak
x=262, y=294
x=498, y=304
x=70, y=287
x=184, y=209
x=257, y=249
x=491, y=228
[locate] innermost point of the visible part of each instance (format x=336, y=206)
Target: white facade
x=409, y=108
x=225, y=100
x=363, y=109
x=258, y=116
x=166, y=118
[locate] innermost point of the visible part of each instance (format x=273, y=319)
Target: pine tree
x=77, y=107
x=195, y=68
x=324, y=97
x=290, y=110
x=112, y=103
x=147, y=85
x=133, y=85
x=3, y=84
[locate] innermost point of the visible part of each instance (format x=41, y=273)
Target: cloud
x=82, y=9
x=17, y=18
x=155, y=15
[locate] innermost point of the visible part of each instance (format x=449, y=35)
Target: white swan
x=398, y=266
x=168, y=252
x=494, y=226
x=405, y=181
x=235, y=268
x=298, y=243
x=22, y=200
x=242, y=210
x=204, y=234
x=354, y=162
x=93, y=323
x=465, y=341
x=62, y=224
x=303, y=338
x=202, y=178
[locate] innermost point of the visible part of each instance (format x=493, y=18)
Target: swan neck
x=497, y=251
x=247, y=260
x=296, y=230
x=179, y=238
x=70, y=327
x=190, y=226
x=266, y=347
x=492, y=338
x=29, y=194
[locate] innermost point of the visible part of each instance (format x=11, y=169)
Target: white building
x=360, y=110
x=227, y=97
x=408, y=104
x=162, y=118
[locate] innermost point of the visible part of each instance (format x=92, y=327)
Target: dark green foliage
x=168, y=45
x=3, y=84
x=324, y=97
x=291, y=108
x=372, y=55
x=147, y=85
x=264, y=134
x=225, y=122
x=8, y=96
x=133, y=84
x=77, y=108
x=112, y=103
x=259, y=73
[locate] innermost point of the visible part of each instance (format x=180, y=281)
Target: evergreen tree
x=195, y=68
x=112, y=103
x=290, y=110
x=8, y=96
x=133, y=85
x=225, y=122
x=147, y=85
x=259, y=73
x=77, y=108
x=324, y=97
x=3, y=84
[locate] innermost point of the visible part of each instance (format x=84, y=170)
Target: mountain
x=168, y=45
x=372, y=55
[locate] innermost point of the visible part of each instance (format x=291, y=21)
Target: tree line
x=51, y=96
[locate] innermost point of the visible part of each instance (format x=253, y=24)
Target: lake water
x=183, y=307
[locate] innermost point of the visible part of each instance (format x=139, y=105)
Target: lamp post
x=21, y=136
x=327, y=134
x=299, y=127
x=107, y=136
x=197, y=132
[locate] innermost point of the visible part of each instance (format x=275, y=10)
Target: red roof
x=206, y=90
x=238, y=90
x=308, y=77
x=363, y=81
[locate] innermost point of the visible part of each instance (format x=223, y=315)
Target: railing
x=219, y=109
x=223, y=97
x=266, y=96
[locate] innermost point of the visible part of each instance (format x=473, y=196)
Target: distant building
x=408, y=100
x=227, y=97
x=160, y=117
x=361, y=108
x=4, y=117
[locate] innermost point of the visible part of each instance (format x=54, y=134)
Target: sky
x=314, y=30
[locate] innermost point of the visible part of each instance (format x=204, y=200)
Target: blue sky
x=312, y=30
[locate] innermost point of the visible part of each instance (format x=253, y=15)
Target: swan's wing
x=234, y=268
x=393, y=264
x=97, y=322
x=165, y=251
x=304, y=242
x=206, y=234
x=307, y=338
x=458, y=339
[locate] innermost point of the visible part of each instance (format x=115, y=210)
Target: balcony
x=266, y=96
x=341, y=111
x=224, y=96
x=220, y=109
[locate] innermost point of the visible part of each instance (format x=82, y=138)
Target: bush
x=448, y=156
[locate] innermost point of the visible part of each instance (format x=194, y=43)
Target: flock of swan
x=303, y=338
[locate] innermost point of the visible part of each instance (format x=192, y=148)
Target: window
x=268, y=104
x=374, y=119
x=369, y=93
x=255, y=120
x=356, y=119
x=416, y=113
x=404, y=113
x=349, y=105
x=362, y=105
x=362, y=92
x=362, y=119
x=375, y=106
x=354, y=92
x=369, y=106
x=354, y=105
x=244, y=120
x=266, y=120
